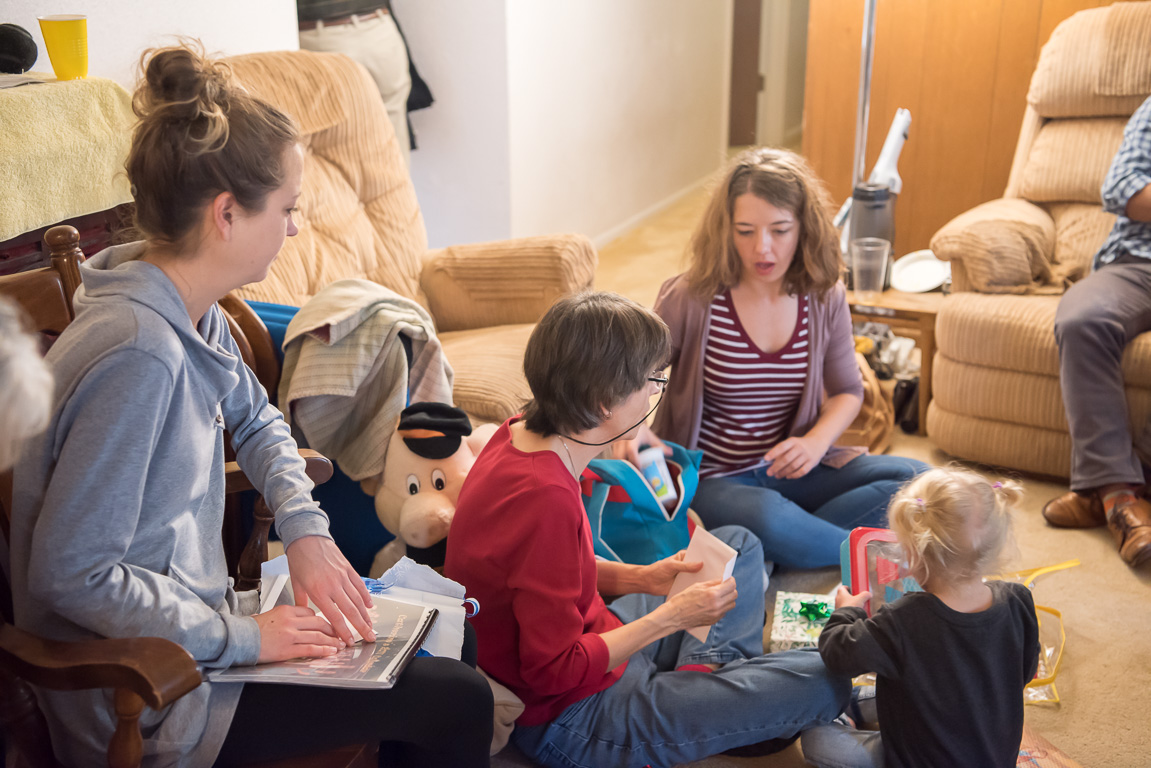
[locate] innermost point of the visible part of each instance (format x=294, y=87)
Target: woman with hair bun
x=764, y=376
x=118, y=505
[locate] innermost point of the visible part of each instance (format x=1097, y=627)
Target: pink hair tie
x=920, y=502
x=997, y=485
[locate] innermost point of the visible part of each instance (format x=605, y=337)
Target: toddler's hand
x=844, y=598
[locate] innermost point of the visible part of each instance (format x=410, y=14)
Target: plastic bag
x=1052, y=637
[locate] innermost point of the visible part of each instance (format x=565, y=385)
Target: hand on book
x=701, y=604
x=292, y=632
x=322, y=573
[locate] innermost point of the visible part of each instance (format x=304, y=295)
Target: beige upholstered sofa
x=359, y=218
x=996, y=380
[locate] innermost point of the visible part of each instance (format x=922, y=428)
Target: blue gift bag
x=628, y=523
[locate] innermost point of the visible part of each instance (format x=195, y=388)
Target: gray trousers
x=1096, y=319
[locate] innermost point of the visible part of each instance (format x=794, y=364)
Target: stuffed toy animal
x=429, y=455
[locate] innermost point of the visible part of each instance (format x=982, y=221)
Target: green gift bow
x=814, y=610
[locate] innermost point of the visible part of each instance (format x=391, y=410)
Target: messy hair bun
x=199, y=134
x=190, y=92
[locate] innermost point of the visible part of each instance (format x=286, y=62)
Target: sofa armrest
x=504, y=283
x=1005, y=246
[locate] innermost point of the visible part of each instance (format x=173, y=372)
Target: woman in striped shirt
x=764, y=376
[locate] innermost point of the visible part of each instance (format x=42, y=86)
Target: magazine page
x=406, y=581
x=400, y=629
x=411, y=582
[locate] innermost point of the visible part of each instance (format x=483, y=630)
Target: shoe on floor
x=1075, y=510
x=1130, y=524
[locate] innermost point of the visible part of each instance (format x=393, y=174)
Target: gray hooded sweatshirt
x=118, y=506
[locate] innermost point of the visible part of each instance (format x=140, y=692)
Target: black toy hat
x=433, y=430
x=17, y=50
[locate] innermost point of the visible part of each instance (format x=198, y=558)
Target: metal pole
x=866, y=56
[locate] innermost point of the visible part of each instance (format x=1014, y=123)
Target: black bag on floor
x=905, y=398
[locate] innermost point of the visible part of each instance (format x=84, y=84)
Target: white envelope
x=718, y=563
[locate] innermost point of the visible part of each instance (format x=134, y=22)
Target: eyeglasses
x=661, y=381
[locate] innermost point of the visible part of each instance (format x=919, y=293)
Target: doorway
x=768, y=66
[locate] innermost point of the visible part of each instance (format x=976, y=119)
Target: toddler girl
x=951, y=661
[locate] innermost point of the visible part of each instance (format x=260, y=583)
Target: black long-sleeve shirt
x=949, y=685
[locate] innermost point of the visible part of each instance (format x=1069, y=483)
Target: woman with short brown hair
x=626, y=684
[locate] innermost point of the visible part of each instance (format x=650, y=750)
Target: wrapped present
x=799, y=618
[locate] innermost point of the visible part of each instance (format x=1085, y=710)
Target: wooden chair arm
x=317, y=465
x=157, y=670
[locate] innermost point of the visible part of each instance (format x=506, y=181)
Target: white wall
x=564, y=116
x=616, y=108
x=120, y=30
x=461, y=170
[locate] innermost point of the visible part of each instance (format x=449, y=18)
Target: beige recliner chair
x=996, y=380
x=359, y=218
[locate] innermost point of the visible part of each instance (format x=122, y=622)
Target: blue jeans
x=841, y=746
x=659, y=716
x=802, y=522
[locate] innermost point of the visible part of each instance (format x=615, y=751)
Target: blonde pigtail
x=952, y=521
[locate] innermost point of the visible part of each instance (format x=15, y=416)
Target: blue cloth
x=803, y=522
x=659, y=716
x=1130, y=172
x=276, y=317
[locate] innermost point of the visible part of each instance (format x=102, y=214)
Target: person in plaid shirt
x=1096, y=319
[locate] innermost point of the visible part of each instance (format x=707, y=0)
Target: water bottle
x=873, y=215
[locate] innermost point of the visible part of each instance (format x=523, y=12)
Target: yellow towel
x=62, y=151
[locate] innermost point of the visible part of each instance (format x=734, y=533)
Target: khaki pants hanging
x=375, y=42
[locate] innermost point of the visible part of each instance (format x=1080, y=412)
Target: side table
x=912, y=313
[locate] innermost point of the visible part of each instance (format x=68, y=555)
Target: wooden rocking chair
x=147, y=671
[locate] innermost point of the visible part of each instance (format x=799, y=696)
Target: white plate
x=919, y=272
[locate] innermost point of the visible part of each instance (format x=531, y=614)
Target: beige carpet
x=1105, y=679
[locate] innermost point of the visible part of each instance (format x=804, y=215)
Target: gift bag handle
x=594, y=508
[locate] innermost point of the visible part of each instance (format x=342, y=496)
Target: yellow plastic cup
x=66, y=38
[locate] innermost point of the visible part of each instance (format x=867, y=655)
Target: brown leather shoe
x=1130, y=525
x=1075, y=510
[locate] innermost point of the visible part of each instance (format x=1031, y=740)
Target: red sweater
x=521, y=544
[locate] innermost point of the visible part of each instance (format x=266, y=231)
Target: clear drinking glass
x=869, y=266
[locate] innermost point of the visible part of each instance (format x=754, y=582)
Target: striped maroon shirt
x=750, y=397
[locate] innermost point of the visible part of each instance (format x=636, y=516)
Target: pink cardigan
x=833, y=369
